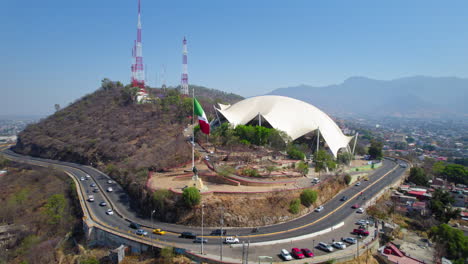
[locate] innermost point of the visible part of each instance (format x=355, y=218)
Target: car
x=361, y=231
x=96, y=190
x=355, y=206
x=93, y=185
x=109, y=212
x=87, y=176
x=285, y=254
x=315, y=180
x=200, y=240
x=358, y=183
x=102, y=203
x=207, y=158
x=297, y=253
x=109, y=182
x=339, y=245
x=109, y=189
x=360, y=210
x=344, y=198
x=218, y=232
x=134, y=225
x=350, y=240
x=362, y=222
x=187, y=235
x=307, y=252
x=91, y=198
x=82, y=179
x=141, y=232
x=231, y=240
x=158, y=231
x=318, y=209
x=403, y=165
x=325, y=247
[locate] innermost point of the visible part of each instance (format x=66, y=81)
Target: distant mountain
x=417, y=97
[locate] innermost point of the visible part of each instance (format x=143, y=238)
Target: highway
x=334, y=212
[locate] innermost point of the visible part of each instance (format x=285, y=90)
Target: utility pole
x=152, y=234
x=203, y=205
x=221, y=242
x=247, y=253
x=243, y=252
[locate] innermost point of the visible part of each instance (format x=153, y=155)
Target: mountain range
x=410, y=97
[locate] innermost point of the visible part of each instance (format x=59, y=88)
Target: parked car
x=109, y=189
x=307, y=252
x=318, y=209
x=141, y=232
x=109, y=212
x=325, y=247
x=315, y=180
x=360, y=210
x=355, y=206
x=344, y=198
x=362, y=222
x=297, y=253
x=134, y=225
x=158, y=231
x=218, y=232
x=285, y=254
x=350, y=240
x=231, y=240
x=102, y=203
x=187, y=235
x=361, y=231
x=358, y=183
x=339, y=245
x=200, y=240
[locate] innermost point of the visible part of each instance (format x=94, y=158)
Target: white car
x=315, y=180
x=91, y=198
x=325, y=247
x=350, y=240
x=358, y=183
x=285, y=255
x=339, y=245
x=82, y=179
x=109, y=212
x=360, y=210
x=109, y=182
x=231, y=240
x=318, y=209
x=109, y=189
x=87, y=176
x=362, y=222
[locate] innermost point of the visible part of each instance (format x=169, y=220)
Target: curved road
x=334, y=212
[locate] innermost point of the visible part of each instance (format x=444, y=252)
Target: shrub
x=89, y=260
x=295, y=206
x=308, y=197
x=250, y=172
x=191, y=196
x=347, y=179
x=295, y=153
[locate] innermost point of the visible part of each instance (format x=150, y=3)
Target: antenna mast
x=184, y=79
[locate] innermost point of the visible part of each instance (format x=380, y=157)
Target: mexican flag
x=198, y=110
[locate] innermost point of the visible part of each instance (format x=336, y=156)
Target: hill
x=412, y=97
x=108, y=130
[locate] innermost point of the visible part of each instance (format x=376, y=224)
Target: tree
x=323, y=161
x=456, y=173
x=347, y=179
x=418, y=177
x=375, y=150
x=441, y=206
x=308, y=197
x=450, y=242
x=294, y=153
x=344, y=158
x=302, y=167
x=55, y=207
x=191, y=196
x=295, y=206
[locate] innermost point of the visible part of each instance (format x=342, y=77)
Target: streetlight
x=313, y=243
x=203, y=205
x=152, y=234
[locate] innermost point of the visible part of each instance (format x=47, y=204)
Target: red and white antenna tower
x=184, y=81
x=138, y=74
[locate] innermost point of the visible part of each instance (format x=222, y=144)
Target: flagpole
x=193, y=128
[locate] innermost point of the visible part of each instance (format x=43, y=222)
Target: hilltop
x=108, y=130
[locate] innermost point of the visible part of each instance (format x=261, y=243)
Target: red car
x=307, y=252
x=297, y=253
x=355, y=206
x=361, y=232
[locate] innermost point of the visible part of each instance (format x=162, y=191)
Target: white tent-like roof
x=296, y=118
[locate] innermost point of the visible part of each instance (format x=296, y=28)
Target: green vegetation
x=441, y=206
x=455, y=173
x=323, y=161
x=344, y=158
x=308, y=197
x=450, y=242
x=375, y=150
x=3, y=162
x=225, y=170
x=347, y=179
x=191, y=196
x=294, y=153
x=302, y=167
x=55, y=207
x=418, y=176
x=159, y=198
x=250, y=172
x=295, y=206
x=167, y=253
x=89, y=260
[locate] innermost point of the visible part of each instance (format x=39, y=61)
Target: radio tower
x=138, y=74
x=184, y=81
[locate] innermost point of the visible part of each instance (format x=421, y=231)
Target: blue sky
x=57, y=51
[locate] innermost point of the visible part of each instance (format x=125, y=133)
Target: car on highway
x=297, y=253
x=361, y=231
x=339, y=245
x=158, y=231
x=109, y=212
x=358, y=183
x=82, y=179
x=307, y=252
x=318, y=209
x=344, y=198
x=285, y=254
x=360, y=210
x=109, y=182
x=231, y=240
x=362, y=222
x=141, y=232
x=218, y=232
x=96, y=190
x=355, y=206
x=93, y=184
x=109, y=189
x=200, y=240
x=134, y=225
x=187, y=235
x=90, y=198
x=350, y=240
x=325, y=247
x=403, y=165
x=102, y=203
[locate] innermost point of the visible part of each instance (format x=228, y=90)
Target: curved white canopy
x=296, y=118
